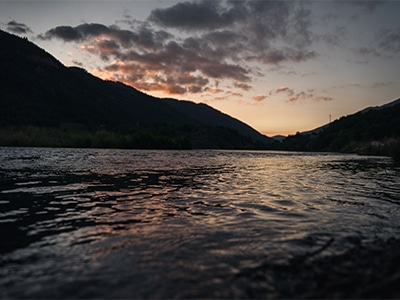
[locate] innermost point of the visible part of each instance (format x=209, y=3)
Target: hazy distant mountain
x=371, y=130
x=279, y=138
x=37, y=90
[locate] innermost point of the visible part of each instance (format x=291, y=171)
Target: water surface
x=95, y=223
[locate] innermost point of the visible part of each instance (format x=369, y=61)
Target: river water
x=97, y=223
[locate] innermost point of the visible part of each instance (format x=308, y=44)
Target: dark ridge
x=37, y=90
x=371, y=131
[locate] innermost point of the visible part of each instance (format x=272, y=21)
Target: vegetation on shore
x=158, y=137
x=29, y=136
x=386, y=147
x=373, y=131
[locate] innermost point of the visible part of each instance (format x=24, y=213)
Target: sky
x=279, y=66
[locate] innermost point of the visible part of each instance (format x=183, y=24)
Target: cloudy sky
x=279, y=66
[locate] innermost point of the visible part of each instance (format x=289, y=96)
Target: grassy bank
x=386, y=147
x=30, y=136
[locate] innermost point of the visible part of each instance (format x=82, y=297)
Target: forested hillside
x=375, y=130
x=45, y=103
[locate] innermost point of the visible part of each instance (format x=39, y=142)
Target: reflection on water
x=85, y=223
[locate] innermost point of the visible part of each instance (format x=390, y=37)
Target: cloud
x=245, y=29
x=142, y=37
x=276, y=57
x=379, y=84
x=334, y=37
x=323, y=98
x=367, y=52
x=193, y=15
x=368, y=5
x=19, y=28
x=152, y=78
x=389, y=40
x=386, y=45
x=383, y=84
x=259, y=98
x=234, y=94
x=150, y=59
x=214, y=90
x=222, y=41
x=259, y=21
x=283, y=89
x=75, y=34
x=242, y=86
x=363, y=55
x=293, y=96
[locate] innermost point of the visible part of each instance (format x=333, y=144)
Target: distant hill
x=374, y=130
x=279, y=138
x=36, y=90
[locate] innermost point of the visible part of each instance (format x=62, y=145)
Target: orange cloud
x=148, y=79
x=293, y=96
x=235, y=94
x=259, y=98
x=214, y=90
x=220, y=98
x=242, y=86
x=283, y=89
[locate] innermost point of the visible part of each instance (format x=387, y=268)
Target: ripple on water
x=134, y=220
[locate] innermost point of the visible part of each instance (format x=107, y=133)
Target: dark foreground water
x=85, y=223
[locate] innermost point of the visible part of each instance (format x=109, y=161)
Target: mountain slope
x=358, y=132
x=208, y=116
x=37, y=90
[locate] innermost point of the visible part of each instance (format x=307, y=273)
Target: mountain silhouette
x=37, y=90
x=373, y=130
